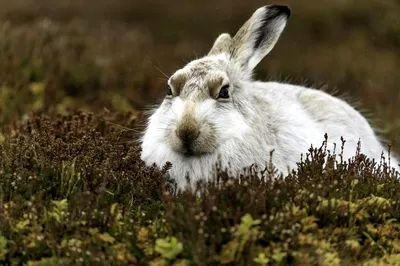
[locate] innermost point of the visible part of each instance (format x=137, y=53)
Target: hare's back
x=329, y=114
x=335, y=115
x=341, y=119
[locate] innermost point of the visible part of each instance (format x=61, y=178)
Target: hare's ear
x=221, y=44
x=256, y=38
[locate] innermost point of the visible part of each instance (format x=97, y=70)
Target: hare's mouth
x=190, y=152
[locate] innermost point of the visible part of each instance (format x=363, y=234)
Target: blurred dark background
x=61, y=55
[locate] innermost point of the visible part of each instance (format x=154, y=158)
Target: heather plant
x=74, y=192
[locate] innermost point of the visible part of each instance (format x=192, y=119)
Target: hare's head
x=207, y=103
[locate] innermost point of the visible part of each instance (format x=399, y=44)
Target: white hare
x=214, y=111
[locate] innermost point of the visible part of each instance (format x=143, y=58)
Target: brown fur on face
x=177, y=82
x=200, y=80
x=214, y=84
x=188, y=129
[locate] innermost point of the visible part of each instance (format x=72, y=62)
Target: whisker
x=166, y=123
x=134, y=141
x=176, y=115
x=161, y=128
x=203, y=116
x=119, y=126
x=162, y=72
x=150, y=107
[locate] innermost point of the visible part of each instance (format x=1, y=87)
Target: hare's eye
x=169, y=91
x=224, y=92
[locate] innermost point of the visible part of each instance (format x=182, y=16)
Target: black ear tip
x=280, y=10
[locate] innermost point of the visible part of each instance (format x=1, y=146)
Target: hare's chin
x=190, y=153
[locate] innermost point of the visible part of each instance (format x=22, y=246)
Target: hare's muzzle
x=187, y=135
x=193, y=134
x=187, y=131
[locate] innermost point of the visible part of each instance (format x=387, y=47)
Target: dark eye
x=224, y=92
x=169, y=91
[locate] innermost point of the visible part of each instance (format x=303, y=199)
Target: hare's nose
x=188, y=135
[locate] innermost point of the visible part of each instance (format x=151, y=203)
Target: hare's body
x=215, y=113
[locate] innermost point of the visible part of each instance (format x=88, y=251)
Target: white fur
x=272, y=116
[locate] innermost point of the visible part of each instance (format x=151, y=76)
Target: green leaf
x=106, y=237
x=169, y=248
x=3, y=245
x=261, y=259
x=247, y=223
